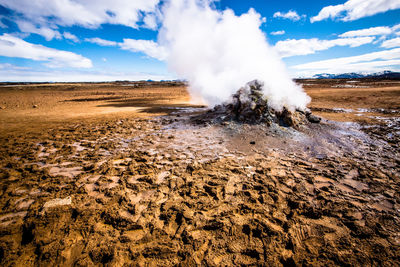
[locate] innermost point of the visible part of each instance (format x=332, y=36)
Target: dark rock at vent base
x=249, y=105
x=312, y=118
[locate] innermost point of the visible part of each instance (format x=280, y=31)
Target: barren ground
x=117, y=174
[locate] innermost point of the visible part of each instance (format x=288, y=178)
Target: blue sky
x=83, y=40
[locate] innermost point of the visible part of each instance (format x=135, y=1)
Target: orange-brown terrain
x=118, y=174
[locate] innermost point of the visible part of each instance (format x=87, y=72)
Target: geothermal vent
x=249, y=105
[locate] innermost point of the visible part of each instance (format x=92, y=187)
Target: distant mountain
x=353, y=75
x=386, y=75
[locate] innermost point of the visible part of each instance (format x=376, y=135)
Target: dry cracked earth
x=164, y=191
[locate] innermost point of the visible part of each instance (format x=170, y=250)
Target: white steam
x=219, y=52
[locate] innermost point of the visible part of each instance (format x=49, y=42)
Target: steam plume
x=219, y=52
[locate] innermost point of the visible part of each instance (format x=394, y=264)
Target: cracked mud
x=159, y=190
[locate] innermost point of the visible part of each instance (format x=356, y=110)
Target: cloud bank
x=11, y=73
x=43, y=16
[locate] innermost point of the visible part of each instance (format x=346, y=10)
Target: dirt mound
x=249, y=105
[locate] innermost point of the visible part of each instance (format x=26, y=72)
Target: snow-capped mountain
x=354, y=75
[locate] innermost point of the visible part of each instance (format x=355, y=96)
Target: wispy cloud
x=291, y=15
x=11, y=46
x=100, y=41
x=356, y=9
x=278, y=33
x=70, y=36
x=8, y=66
x=373, y=31
x=150, y=48
x=45, y=31
x=370, y=62
x=391, y=43
x=368, y=32
x=294, y=47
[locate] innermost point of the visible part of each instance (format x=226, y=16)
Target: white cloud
x=391, y=43
x=293, y=47
x=278, y=33
x=44, y=14
x=150, y=48
x=100, y=41
x=371, y=62
x=356, y=9
x=70, y=36
x=11, y=46
x=291, y=14
x=368, y=32
x=46, y=32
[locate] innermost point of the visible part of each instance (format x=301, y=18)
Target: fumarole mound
x=249, y=105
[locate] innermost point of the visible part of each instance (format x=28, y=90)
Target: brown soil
x=92, y=174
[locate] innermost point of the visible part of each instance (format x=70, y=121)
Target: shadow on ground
x=167, y=106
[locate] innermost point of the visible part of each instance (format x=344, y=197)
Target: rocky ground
x=162, y=190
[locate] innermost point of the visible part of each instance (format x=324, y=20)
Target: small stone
x=313, y=119
x=35, y=106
